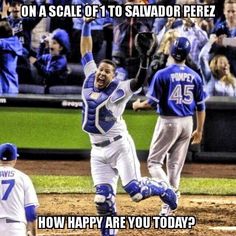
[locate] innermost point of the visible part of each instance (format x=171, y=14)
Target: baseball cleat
x=165, y=210
x=169, y=197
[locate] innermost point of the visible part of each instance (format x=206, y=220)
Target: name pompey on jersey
x=182, y=77
x=185, y=11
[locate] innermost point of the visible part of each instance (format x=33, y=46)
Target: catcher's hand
x=145, y=43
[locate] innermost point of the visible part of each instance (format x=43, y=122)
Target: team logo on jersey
x=110, y=118
x=94, y=95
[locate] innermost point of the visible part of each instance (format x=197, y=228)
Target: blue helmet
x=180, y=49
x=8, y=152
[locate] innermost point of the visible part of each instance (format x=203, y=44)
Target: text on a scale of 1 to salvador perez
x=129, y=10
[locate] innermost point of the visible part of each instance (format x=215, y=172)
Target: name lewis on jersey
x=7, y=173
x=182, y=77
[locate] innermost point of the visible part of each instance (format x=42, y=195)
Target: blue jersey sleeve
x=30, y=213
x=200, y=95
x=154, y=91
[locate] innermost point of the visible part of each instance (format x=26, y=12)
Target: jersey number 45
x=182, y=94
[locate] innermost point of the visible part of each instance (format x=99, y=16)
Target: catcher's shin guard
x=139, y=190
x=105, y=205
x=151, y=187
x=170, y=198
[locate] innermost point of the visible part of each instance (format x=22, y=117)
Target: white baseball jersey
x=16, y=193
x=117, y=108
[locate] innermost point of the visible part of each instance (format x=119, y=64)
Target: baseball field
x=65, y=187
x=208, y=193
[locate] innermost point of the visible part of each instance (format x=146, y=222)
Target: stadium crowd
x=42, y=55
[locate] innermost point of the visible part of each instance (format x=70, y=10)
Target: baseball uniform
x=17, y=192
x=113, y=152
x=108, y=123
x=17, y=195
x=175, y=92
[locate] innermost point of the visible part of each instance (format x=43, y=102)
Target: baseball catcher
x=113, y=153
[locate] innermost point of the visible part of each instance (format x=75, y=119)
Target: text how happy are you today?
x=116, y=222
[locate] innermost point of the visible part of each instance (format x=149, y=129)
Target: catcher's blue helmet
x=180, y=49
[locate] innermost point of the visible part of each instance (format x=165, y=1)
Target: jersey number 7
x=10, y=183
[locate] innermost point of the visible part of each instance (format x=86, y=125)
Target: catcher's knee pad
x=139, y=190
x=105, y=200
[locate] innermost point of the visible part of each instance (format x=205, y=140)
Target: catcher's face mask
x=104, y=75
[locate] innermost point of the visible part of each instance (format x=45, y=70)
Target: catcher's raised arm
x=145, y=44
x=86, y=43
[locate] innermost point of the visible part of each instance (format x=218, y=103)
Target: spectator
x=228, y=28
x=53, y=66
x=187, y=27
x=221, y=81
x=10, y=49
x=97, y=27
x=196, y=35
x=61, y=22
x=162, y=56
x=22, y=28
x=229, y=42
x=124, y=31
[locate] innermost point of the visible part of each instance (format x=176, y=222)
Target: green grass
x=83, y=184
x=63, y=184
x=42, y=128
x=61, y=128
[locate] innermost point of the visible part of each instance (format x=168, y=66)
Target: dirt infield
x=210, y=211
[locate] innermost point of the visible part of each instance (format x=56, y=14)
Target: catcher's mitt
x=145, y=43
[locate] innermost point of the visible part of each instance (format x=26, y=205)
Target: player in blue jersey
x=176, y=92
x=113, y=153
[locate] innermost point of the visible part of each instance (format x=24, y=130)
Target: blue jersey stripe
x=86, y=58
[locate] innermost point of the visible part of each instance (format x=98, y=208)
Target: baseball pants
x=12, y=228
x=117, y=159
x=170, y=141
